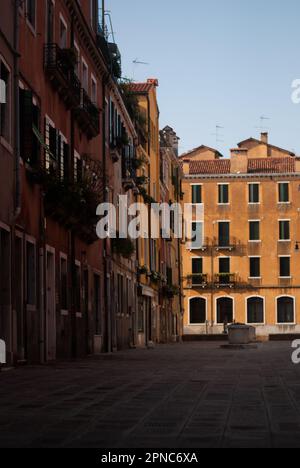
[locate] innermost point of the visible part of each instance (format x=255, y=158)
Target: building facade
x=171, y=311
x=9, y=175
x=243, y=265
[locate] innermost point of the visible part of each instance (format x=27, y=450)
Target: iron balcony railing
x=225, y=279
x=197, y=280
x=88, y=115
x=59, y=65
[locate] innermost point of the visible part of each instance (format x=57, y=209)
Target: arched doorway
x=224, y=310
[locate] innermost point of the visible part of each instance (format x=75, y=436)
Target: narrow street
x=186, y=396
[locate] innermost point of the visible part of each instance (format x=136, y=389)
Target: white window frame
x=280, y=202
x=228, y=185
x=189, y=311
x=246, y=310
x=255, y=221
x=254, y=277
x=284, y=277
x=259, y=193
x=216, y=309
x=285, y=220
x=295, y=310
x=197, y=185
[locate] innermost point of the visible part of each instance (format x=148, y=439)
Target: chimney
x=153, y=81
x=186, y=166
x=239, y=161
x=264, y=137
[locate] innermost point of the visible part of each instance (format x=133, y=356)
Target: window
x=97, y=303
x=196, y=194
x=50, y=22
x=285, y=267
x=255, y=310
x=224, y=270
x=31, y=12
x=30, y=137
x=78, y=287
x=78, y=167
x=63, y=284
x=284, y=192
x=94, y=14
x=63, y=33
x=284, y=230
x=120, y=294
x=255, y=267
x=5, y=107
x=85, y=76
x=223, y=194
x=77, y=64
x=30, y=274
x=224, y=310
x=197, y=271
x=254, y=193
x=254, y=230
x=285, y=310
x=197, y=235
x=94, y=91
x=197, y=311
x=224, y=233
x=5, y=275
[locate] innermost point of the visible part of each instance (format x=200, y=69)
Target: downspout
x=107, y=292
x=17, y=201
x=71, y=233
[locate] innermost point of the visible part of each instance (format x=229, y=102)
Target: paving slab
x=190, y=395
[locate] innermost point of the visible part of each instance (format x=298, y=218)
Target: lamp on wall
x=297, y=246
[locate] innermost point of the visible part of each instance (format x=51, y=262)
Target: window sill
x=64, y=313
x=285, y=240
x=254, y=241
x=254, y=277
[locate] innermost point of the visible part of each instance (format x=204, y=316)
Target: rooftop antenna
x=262, y=127
x=138, y=62
x=218, y=135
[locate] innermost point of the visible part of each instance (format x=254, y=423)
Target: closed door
x=50, y=309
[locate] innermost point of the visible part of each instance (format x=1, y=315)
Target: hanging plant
x=155, y=277
x=123, y=247
x=143, y=270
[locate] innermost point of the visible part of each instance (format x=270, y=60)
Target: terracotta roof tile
x=271, y=165
x=141, y=87
x=210, y=167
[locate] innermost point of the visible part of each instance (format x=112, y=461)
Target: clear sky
x=219, y=62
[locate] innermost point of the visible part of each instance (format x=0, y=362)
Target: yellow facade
x=263, y=284
x=148, y=249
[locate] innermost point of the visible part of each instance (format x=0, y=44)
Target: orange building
x=246, y=267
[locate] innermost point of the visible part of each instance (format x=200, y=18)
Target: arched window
x=285, y=310
x=255, y=310
x=224, y=310
x=197, y=310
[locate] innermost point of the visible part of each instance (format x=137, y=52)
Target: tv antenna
x=218, y=135
x=262, y=126
x=139, y=62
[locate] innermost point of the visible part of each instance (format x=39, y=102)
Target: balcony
x=59, y=67
x=87, y=115
x=197, y=281
x=225, y=244
x=73, y=204
x=128, y=174
x=225, y=280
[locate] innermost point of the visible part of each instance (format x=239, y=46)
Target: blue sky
x=218, y=62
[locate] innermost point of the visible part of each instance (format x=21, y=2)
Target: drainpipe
x=107, y=277
x=17, y=203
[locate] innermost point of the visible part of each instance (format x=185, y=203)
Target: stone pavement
x=190, y=395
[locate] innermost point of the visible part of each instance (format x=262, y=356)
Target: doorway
x=50, y=306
